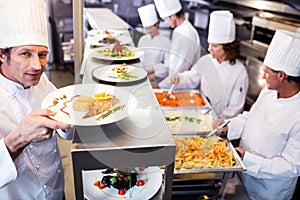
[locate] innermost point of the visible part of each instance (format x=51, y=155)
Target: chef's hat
x=284, y=53
x=23, y=23
x=148, y=15
x=221, y=27
x=167, y=8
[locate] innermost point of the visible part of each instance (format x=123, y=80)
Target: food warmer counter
x=188, y=117
x=141, y=139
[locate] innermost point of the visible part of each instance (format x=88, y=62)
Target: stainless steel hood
x=280, y=6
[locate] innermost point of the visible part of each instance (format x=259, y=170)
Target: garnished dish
x=119, y=179
x=133, y=184
x=107, y=40
x=122, y=72
x=202, y=152
x=117, y=52
x=180, y=98
x=104, y=33
x=119, y=73
x=90, y=104
x=102, y=103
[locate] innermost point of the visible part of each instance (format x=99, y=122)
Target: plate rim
x=120, y=81
x=153, y=191
x=119, y=32
x=95, y=54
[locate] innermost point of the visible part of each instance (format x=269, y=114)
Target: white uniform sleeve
x=9, y=168
x=237, y=97
x=189, y=79
x=236, y=126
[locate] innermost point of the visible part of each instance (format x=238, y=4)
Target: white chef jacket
x=270, y=134
x=37, y=173
x=224, y=84
x=155, y=53
x=184, y=51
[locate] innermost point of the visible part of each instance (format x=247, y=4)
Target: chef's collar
x=10, y=85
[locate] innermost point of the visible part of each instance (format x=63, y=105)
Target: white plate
x=76, y=117
x=123, y=39
x=137, y=54
x=102, y=32
x=151, y=175
x=107, y=74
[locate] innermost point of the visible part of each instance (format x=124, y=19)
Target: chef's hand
x=217, y=123
x=240, y=151
x=34, y=127
x=174, y=79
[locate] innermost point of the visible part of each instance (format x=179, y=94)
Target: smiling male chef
x=270, y=131
x=185, y=46
x=30, y=162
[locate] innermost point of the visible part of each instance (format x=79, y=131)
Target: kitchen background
x=256, y=22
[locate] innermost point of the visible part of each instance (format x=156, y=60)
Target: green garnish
x=126, y=76
x=188, y=119
x=109, y=112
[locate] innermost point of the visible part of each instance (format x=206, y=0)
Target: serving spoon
x=170, y=91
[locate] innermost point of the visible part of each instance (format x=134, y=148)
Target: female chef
x=222, y=77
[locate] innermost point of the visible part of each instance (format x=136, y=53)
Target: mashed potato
x=188, y=120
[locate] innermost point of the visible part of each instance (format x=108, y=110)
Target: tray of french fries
x=198, y=153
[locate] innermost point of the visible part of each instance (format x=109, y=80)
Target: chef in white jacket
x=270, y=131
x=154, y=44
x=185, y=42
x=30, y=162
x=222, y=77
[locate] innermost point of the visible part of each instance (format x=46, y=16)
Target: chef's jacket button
x=58, y=171
x=37, y=167
x=54, y=150
x=31, y=146
x=45, y=186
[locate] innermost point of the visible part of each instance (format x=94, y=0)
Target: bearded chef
x=154, y=44
x=270, y=131
x=185, y=42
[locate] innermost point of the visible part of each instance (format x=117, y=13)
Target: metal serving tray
x=239, y=166
x=189, y=120
x=191, y=91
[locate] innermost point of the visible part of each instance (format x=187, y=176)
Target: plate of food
x=104, y=32
x=106, y=41
x=133, y=184
x=117, y=52
x=119, y=73
x=90, y=104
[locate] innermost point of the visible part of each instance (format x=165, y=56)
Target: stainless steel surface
x=239, y=166
x=265, y=5
x=254, y=68
x=141, y=139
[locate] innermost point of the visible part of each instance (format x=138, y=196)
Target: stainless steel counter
x=141, y=139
